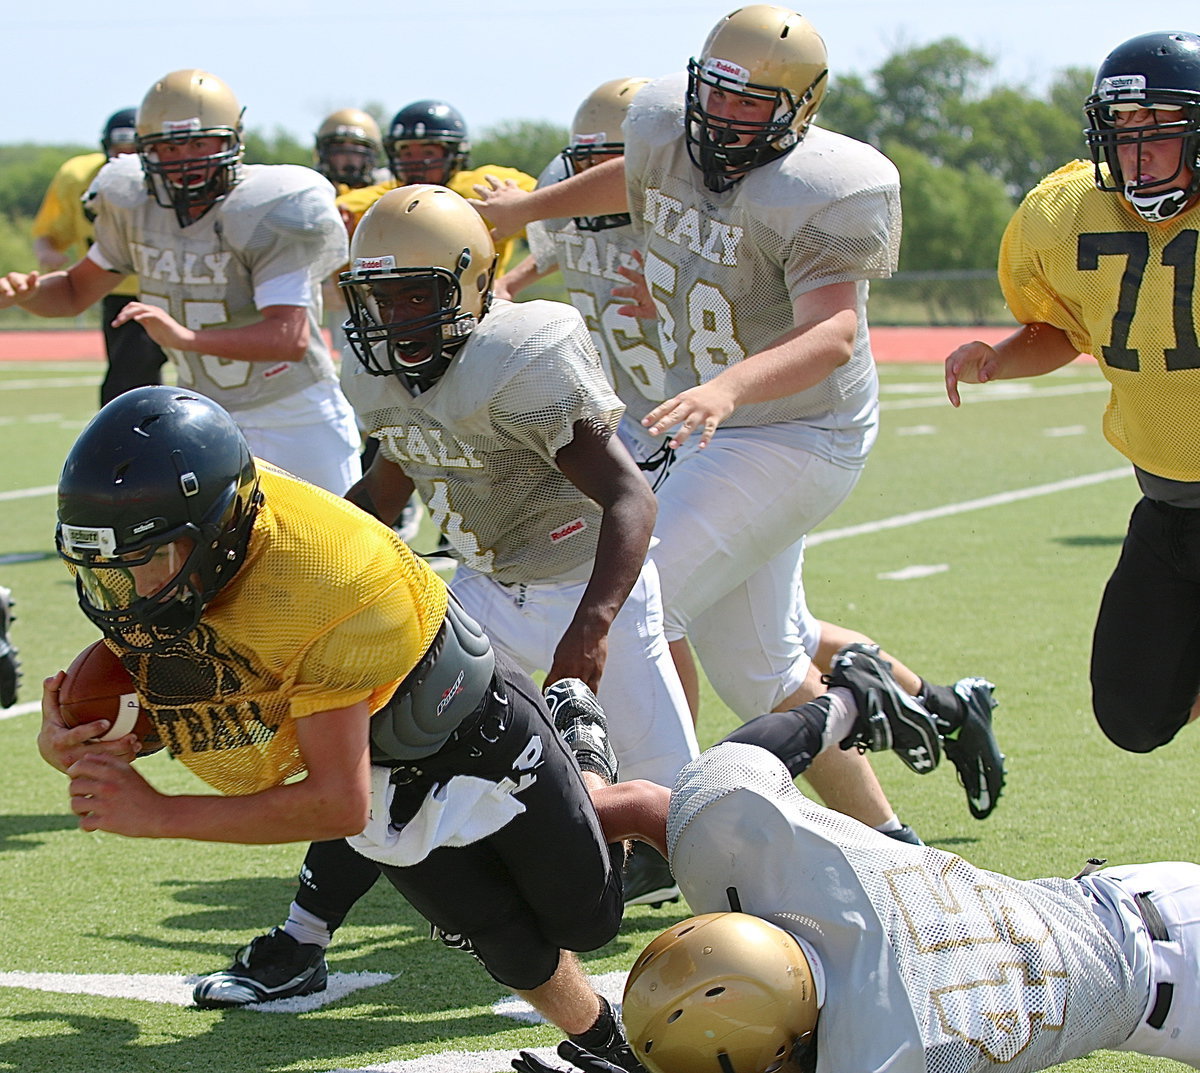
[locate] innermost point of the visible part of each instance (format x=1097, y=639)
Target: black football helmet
x=120, y=133
x=427, y=123
x=155, y=466
x=1159, y=71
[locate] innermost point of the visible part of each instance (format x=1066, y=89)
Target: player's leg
x=289, y=959
x=134, y=359
x=1149, y=619
x=1167, y=897
x=962, y=711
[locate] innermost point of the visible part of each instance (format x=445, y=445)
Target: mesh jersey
x=329, y=608
x=463, y=184
x=588, y=261
x=480, y=445
x=1124, y=291
x=725, y=268
x=278, y=221
x=931, y=965
x=60, y=219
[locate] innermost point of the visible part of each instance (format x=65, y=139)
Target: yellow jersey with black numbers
x=1123, y=290
x=328, y=609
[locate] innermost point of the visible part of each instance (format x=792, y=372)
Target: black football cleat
x=974, y=750
x=271, y=966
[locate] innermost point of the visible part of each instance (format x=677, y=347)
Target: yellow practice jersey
x=463, y=183
x=60, y=219
x=328, y=609
x=1123, y=290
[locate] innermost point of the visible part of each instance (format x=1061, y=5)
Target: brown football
x=98, y=687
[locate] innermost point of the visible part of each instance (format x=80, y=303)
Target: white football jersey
x=724, y=268
x=480, y=445
x=278, y=224
x=588, y=261
x=931, y=965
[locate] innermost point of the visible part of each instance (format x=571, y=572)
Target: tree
x=525, y=144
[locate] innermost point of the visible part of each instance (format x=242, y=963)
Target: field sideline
x=977, y=542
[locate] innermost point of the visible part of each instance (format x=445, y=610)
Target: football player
x=760, y=233
x=349, y=150
x=273, y=629
x=10, y=666
x=427, y=143
x=229, y=259
x=822, y=946
x=1101, y=258
x=500, y=416
x=61, y=225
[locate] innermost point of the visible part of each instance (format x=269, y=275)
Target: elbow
x=346, y=816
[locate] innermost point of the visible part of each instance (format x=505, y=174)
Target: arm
x=1033, y=349
x=597, y=463
x=281, y=335
x=59, y=294
x=383, y=490
x=635, y=809
x=823, y=339
x=515, y=280
x=599, y=191
x=332, y=801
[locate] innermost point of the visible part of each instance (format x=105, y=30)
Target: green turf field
x=977, y=543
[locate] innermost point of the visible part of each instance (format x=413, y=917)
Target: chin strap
x=1158, y=206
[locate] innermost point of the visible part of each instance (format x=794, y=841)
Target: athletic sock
x=306, y=927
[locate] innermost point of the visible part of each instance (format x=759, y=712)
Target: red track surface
x=889, y=344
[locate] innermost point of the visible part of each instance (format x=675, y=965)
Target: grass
x=1008, y=590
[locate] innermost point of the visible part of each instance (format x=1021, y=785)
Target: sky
x=292, y=64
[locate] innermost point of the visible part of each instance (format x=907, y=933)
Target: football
x=98, y=687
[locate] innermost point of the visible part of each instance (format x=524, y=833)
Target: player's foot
x=974, y=750
x=888, y=717
x=580, y=722
x=647, y=878
x=904, y=833
x=10, y=666
x=272, y=966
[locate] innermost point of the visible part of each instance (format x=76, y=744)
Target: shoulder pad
x=121, y=183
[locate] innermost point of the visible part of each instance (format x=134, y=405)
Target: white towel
x=455, y=813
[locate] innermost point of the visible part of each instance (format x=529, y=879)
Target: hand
x=971, y=363
x=51, y=260
x=579, y=656
x=62, y=746
x=108, y=795
x=641, y=304
x=16, y=287
x=501, y=204
x=159, y=325
x=703, y=408
x=529, y=1062
x=500, y=290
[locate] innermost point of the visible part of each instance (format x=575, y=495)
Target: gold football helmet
x=349, y=147
x=596, y=135
x=420, y=280
x=720, y=992
x=183, y=106
x=763, y=53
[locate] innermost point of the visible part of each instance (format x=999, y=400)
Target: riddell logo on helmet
x=180, y=126
x=726, y=70
x=570, y=529
x=374, y=264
